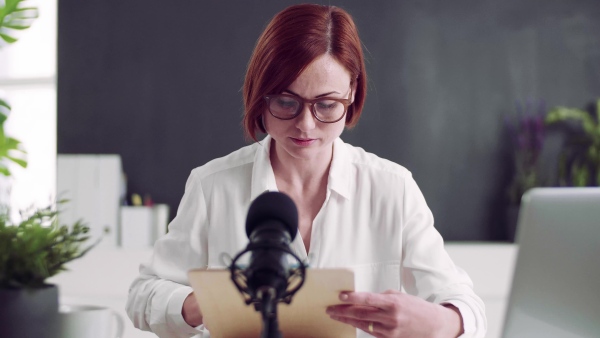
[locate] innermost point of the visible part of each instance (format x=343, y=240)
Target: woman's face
x=304, y=137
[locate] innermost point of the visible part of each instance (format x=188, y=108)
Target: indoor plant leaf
x=15, y=15
x=20, y=162
x=9, y=146
x=560, y=114
x=7, y=38
x=4, y=170
x=4, y=110
x=37, y=248
x=580, y=158
x=598, y=117
x=13, y=144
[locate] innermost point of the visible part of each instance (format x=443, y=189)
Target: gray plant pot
x=29, y=312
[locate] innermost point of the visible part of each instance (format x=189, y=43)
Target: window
x=28, y=83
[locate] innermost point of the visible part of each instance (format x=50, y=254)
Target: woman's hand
x=191, y=311
x=396, y=314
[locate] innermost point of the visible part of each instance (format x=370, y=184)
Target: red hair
x=294, y=38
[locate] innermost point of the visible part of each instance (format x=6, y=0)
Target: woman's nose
x=306, y=121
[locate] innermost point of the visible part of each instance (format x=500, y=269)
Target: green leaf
x=598, y=119
x=580, y=175
x=12, y=143
x=16, y=15
x=21, y=162
x=560, y=114
x=7, y=38
x=34, y=11
x=4, y=106
x=17, y=27
x=4, y=170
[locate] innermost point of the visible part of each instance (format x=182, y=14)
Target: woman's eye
x=287, y=103
x=327, y=105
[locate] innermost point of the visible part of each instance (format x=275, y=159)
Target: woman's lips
x=302, y=141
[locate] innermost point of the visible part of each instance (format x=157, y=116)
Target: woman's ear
x=350, y=112
x=261, y=123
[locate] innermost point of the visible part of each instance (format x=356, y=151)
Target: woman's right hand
x=191, y=311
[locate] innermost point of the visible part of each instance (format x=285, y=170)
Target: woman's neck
x=300, y=174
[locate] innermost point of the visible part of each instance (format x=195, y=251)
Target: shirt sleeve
x=468, y=317
x=156, y=296
x=428, y=271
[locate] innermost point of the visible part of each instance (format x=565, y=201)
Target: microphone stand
x=268, y=310
x=265, y=299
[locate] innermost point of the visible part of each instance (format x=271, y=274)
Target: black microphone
x=271, y=226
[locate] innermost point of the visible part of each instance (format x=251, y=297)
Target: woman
x=305, y=83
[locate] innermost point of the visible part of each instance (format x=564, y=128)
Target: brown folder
x=227, y=315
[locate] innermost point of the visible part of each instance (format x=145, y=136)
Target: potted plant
x=579, y=162
x=31, y=251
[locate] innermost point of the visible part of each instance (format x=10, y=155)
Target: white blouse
x=374, y=220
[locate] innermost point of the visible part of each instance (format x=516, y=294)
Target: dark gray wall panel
x=160, y=84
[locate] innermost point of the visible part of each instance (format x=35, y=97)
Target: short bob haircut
x=294, y=38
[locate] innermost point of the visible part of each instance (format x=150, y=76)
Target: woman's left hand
x=396, y=314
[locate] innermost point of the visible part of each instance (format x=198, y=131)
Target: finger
x=381, y=301
x=377, y=328
x=358, y=312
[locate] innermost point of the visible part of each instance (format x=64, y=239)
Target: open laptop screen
x=556, y=285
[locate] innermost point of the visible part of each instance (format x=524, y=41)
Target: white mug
x=88, y=321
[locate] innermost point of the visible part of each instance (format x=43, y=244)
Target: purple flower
x=527, y=129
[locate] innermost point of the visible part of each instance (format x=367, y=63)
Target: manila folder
x=226, y=314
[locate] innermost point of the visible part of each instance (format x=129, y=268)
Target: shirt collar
x=339, y=173
x=263, y=178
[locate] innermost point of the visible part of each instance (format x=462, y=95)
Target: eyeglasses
x=324, y=109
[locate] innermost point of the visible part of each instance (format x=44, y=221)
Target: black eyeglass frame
x=345, y=102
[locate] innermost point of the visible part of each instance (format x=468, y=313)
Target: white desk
x=103, y=277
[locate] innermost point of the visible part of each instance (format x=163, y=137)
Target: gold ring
x=371, y=327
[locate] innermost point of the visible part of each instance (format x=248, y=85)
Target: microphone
x=271, y=225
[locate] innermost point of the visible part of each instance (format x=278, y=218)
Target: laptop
x=556, y=284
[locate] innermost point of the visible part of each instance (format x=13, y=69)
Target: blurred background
x=454, y=87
